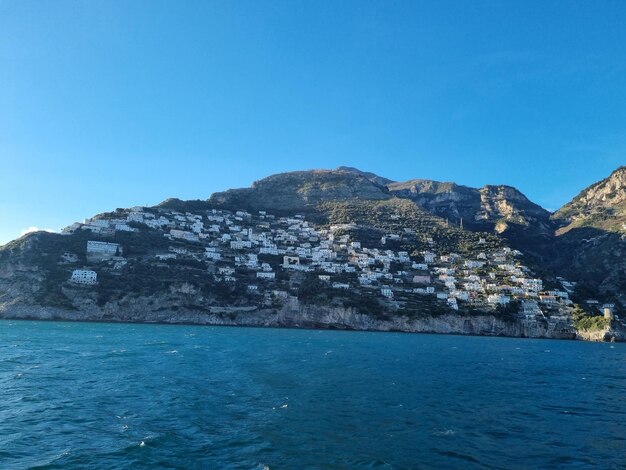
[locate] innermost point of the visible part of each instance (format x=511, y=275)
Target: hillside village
x=265, y=253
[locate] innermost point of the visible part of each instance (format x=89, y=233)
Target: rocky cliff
x=292, y=314
x=590, y=241
x=489, y=207
x=602, y=205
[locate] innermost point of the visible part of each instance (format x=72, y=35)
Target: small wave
x=466, y=457
x=445, y=432
x=173, y=351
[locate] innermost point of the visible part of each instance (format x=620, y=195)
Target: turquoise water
x=79, y=395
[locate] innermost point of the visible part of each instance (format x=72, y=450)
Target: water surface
x=81, y=395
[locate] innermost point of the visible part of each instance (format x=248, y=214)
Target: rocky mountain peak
x=374, y=178
x=607, y=196
x=302, y=190
x=503, y=192
x=425, y=186
x=609, y=191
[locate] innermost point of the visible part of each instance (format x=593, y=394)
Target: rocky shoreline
x=295, y=315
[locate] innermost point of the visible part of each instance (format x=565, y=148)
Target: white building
x=96, y=249
x=291, y=261
x=135, y=217
x=266, y=275
x=387, y=292
x=532, y=284
x=213, y=255
x=530, y=309
x=240, y=244
x=498, y=299
x=124, y=228
x=184, y=235
x=269, y=250
x=84, y=276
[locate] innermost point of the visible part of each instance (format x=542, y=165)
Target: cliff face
x=447, y=200
x=612, y=333
x=504, y=204
x=590, y=245
x=483, y=208
x=601, y=205
x=291, y=314
x=496, y=209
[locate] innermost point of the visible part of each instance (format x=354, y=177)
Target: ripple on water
x=255, y=398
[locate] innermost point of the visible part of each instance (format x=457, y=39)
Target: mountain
x=602, y=206
x=379, y=180
x=591, y=233
x=302, y=191
x=500, y=209
x=336, y=248
x=488, y=208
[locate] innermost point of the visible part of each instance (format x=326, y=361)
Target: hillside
x=500, y=209
x=601, y=206
x=590, y=244
x=321, y=248
x=300, y=191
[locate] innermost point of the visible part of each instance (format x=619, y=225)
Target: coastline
x=317, y=318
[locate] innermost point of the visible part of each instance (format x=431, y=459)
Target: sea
x=146, y=396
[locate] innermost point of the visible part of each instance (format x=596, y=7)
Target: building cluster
x=239, y=247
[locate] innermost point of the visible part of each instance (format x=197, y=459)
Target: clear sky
x=107, y=104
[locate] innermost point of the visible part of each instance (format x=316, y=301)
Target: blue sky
x=115, y=104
